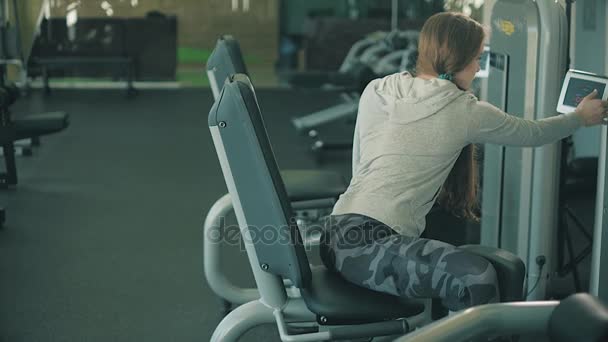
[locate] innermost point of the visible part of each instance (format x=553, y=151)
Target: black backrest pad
x=258, y=184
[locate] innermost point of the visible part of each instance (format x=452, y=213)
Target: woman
x=416, y=137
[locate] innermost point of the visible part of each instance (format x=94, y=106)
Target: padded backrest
x=225, y=60
x=255, y=185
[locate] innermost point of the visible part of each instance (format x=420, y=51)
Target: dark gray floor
x=104, y=234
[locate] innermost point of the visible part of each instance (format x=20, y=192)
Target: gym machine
x=312, y=192
x=23, y=128
x=321, y=304
x=520, y=185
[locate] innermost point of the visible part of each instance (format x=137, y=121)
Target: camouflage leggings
x=370, y=254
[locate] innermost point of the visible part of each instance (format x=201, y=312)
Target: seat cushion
x=510, y=270
x=341, y=302
x=306, y=185
x=36, y=125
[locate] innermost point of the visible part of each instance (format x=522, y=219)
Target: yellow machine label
x=506, y=26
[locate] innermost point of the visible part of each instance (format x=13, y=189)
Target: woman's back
x=411, y=132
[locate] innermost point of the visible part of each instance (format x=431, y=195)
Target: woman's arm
x=491, y=125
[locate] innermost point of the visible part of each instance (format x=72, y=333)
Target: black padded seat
x=305, y=185
x=340, y=302
x=510, y=270
x=40, y=124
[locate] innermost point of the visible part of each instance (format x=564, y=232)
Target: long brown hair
x=448, y=43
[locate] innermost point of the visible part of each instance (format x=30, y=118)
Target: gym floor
x=103, y=240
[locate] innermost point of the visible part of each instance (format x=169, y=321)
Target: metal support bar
x=385, y=328
x=212, y=241
x=213, y=230
x=503, y=319
x=10, y=178
x=242, y=319
x=395, y=15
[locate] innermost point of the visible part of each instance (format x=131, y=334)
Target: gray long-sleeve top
x=411, y=132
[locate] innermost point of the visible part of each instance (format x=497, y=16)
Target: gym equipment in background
x=25, y=128
x=380, y=54
x=520, y=185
